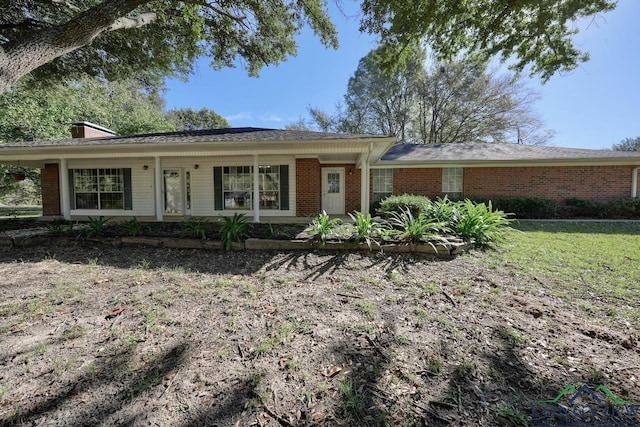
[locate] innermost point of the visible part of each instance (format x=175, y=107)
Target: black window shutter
x=128, y=194
x=217, y=188
x=72, y=190
x=284, y=187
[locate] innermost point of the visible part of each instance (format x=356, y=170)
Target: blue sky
x=594, y=106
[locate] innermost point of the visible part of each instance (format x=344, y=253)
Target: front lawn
x=95, y=335
x=20, y=212
x=588, y=260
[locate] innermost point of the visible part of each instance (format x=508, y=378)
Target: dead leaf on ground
x=332, y=372
x=115, y=312
x=99, y=281
x=169, y=376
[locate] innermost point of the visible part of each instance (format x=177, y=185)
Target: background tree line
x=426, y=101
x=31, y=112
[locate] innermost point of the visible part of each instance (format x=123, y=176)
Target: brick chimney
x=89, y=130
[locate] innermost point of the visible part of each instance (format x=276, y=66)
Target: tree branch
x=217, y=10
x=126, y=23
x=27, y=23
x=68, y=4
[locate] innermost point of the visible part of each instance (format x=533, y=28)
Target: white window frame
x=452, y=180
x=382, y=184
x=104, y=184
x=245, y=185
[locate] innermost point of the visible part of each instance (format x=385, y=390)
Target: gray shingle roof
x=468, y=152
x=198, y=136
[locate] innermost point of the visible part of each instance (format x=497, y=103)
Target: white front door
x=333, y=191
x=173, y=194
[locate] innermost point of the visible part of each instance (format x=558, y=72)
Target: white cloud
x=268, y=117
x=245, y=115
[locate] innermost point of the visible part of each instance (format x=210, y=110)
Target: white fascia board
x=120, y=151
x=507, y=163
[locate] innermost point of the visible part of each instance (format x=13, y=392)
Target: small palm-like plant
x=197, y=226
x=233, y=229
x=482, y=224
x=445, y=210
x=410, y=228
x=321, y=226
x=95, y=226
x=365, y=229
x=133, y=226
x=58, y=226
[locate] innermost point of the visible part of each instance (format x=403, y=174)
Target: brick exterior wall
x=418, y=181
x=50, y=190
x=309, y=186
x=84, y=131
x=308, y=181
x=596, y=183
x=351, y=186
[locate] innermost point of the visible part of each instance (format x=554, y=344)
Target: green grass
x=20, y=211
x=575, y=259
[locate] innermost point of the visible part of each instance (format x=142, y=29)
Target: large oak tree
x=116, y=38
x=534, y=35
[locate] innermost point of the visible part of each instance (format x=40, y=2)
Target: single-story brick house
x=209, y=173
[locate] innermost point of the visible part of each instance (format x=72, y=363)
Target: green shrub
x=479, y=222
x=579, y=208
x=523, y=207
x=321, y=226
x=625, y=208
x=397, y=204
x=233, y=229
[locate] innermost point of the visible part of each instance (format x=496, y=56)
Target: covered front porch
x=278, y=176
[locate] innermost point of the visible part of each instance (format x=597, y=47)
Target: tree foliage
x=435, y=102
x=29, y=113
x=190, y=119
x=531, y=33
x=628, y=144
x=114, y=39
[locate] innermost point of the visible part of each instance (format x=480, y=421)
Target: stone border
x=452, y=248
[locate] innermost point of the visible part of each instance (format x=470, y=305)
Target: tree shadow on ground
x=364, y=359
x=315, y=263
x=228, y=408
x=109, y=370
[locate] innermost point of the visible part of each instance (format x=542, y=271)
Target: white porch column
x=159, y=198
x=256, y=188
x=364, y=187
x=65, y=197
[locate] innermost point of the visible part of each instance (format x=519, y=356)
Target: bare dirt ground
x=98, y=336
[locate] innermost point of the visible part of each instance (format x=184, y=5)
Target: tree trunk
x=21, y=56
